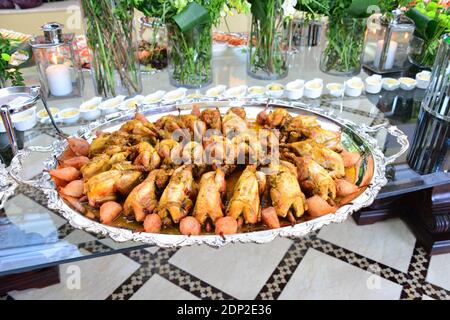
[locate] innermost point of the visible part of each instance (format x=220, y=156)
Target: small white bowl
x=195, y=96
x=390, y=84
x=131, y=104
x=275, y=90
x=314, y=88
x=216, y=91
x=295, y=89
x=256, y=91
x=235, y=92
x=153, y=98
x=43, y=116
x=423, y=79
x=69, y=115
x=335, y=89
x=25, y=120
x=89, y=110
x=111, y=105
x=354, y=87
x=407, y=83
x=373, y=84
x=174, y=95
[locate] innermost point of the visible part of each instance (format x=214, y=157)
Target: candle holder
x=386, y=43
x=59, y=72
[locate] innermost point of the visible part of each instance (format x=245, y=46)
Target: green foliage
x=432, y=21
x=7, y=72
x=168, y=9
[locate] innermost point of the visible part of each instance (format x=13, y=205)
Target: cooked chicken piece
x=275, y=119
x=170, y=152
x=127, y=181
x=175, y=200
x=192, y=153
x=95, y=166
x=313, y=177
x=105, y=186
x=330, y=139
x=142, y=200
x=209, y=198
x=110, y=141
x=196, y=126
x=285, y=191
x=147, y=156
x=247, y=148
x=140, y=128
x=245, y=199
x=233, y=123
x=212, y=118
x=327, y=158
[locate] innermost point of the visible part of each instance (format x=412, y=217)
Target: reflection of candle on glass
x=58, y=78
x=390, y=56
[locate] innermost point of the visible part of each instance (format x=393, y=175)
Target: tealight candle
x=59, y=79
x=389, y=62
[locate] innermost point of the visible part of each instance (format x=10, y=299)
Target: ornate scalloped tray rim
x=79, y=221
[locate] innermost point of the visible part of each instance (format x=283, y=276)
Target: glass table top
x=32, y=236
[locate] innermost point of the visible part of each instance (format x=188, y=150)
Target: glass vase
x=422, y=53
x=342, y=55
x=189, y=56
x=152, y=44
x=430, y=149
x=109, y=33
x=267, y=56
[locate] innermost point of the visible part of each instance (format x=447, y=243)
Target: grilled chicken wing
x=327, y=158
x=285, y=191
x=175, y=200
x=142, y=200
x=209, y=198
x=245, y=199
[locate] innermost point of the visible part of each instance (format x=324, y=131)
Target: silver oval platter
x=355, y=137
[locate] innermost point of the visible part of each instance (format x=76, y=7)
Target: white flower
x=288, y=7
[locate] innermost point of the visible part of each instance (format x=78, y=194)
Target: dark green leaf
x=425, y=26
x=258, y=9
x=193, y=15
x=358, y=8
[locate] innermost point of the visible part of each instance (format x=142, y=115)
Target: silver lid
x=53, y=32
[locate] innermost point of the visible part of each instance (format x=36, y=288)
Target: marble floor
x=341, y=261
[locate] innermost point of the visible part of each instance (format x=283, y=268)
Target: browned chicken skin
x=233, y=123
x=327, y=158
x=105, y=186
x=209, y=198
x=175, y=200
x=142, y=200
x=313, y=177
x=246, y=196
x=212, y=118
x=285, y=191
